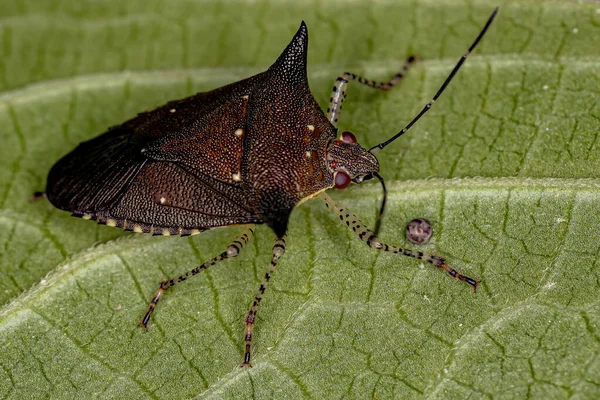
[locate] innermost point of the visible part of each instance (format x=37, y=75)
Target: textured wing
x=95, y=175
x=203, y=132
x=165, y=198
x=108, y=178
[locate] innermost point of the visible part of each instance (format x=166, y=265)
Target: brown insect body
x=244, y=153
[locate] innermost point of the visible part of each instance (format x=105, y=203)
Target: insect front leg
x=367, y=236
x=278, y=250
x=338, y=94
x=232, y=251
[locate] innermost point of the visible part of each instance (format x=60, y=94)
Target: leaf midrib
x=79, y=260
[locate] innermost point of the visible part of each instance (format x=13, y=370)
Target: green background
x=505, y=166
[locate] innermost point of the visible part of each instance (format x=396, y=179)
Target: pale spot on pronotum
x=172, y=111
x=163, y=200
x=111, y=222
x=237, y=177
x=239, y=132
x=308, y=154
x=195, y=231
x=137, y=229
x=165, y=232
x=245, y=97
x=310, y=127
x=143, y=151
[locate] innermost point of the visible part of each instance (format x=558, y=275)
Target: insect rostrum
x=243, y=154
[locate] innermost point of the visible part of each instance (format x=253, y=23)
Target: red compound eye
x=348, y=137
x=341, y=180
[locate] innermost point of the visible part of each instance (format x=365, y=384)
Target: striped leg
x=278, y=250
x=367, y=236
x=36, y=196
x=338, y=94
x=232, y=251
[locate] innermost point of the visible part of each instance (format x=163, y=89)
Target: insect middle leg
x=278, y=250
x=338, y=94
x=367, y=236
x=232, y=251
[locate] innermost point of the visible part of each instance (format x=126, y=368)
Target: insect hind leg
x=338, y=93
x=278, y=250
x=233, y=250
x=367, y=236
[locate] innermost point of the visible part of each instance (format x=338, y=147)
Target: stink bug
x=243, y=154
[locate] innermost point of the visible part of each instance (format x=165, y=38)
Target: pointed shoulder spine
x=293, y=61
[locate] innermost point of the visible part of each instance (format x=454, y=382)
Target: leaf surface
x=505, y=166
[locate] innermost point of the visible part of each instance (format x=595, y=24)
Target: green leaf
x=505, y=166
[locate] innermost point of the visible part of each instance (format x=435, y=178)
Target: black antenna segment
x=442, y=88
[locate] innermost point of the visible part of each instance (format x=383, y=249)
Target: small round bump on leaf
x=419, y=231
x=342, y=180
x=348, y=137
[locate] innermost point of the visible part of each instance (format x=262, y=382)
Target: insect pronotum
x=243, y=154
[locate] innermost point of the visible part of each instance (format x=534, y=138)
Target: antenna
x=383, y=201
x=442, y=88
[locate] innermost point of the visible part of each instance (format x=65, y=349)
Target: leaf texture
x=505, y=166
